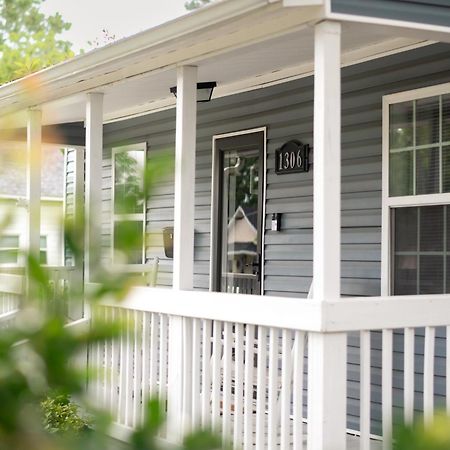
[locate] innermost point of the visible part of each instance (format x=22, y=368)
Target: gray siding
x=286, y=110
x=434, y=12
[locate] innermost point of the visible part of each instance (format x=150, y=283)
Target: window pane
x=128, y=182
x=427, y=171
x=405, y=275
x=43, y=256
x=8, y=256
x=431, y=228
x=446, y=169
x=128, y=241
x=445, y=118
x=43, y=242
x=401, y=125
x=400, y=174
x=405, y=226
x=9, y=241
x=427, y=121
x=431, y=275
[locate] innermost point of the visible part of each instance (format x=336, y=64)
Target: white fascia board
x=218, y=12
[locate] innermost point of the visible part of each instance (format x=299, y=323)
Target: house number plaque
x=292, y=157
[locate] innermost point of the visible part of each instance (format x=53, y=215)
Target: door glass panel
x=240, y=259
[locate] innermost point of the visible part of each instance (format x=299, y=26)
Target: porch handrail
x=149, y=270
x=346, y=314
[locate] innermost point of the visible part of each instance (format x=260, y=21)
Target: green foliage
x=195, y=4
x=61, y=415
x=145, y=437
x=29, y=40
x=37, y=354
x=433, y=436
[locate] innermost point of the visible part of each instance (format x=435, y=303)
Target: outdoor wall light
x=204, y=91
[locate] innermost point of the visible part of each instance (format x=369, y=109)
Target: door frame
x=215, y=199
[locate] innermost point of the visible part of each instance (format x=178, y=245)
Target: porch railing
x=246, y=368
x=11, y=289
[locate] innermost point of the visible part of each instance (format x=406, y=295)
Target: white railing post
x=327, y=352
x=183, y=256
x=94, y=151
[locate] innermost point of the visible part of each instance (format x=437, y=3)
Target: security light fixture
x=204, y=91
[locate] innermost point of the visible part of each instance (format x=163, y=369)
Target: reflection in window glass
x=128, y=241
x=405, y=275
x=405, y=229
x=427, y=121
x=446, y=118
x=401, y=173
x=427, y=171
x=128, y=182
x=446, y=169
x=129, y=204
x=401, y=125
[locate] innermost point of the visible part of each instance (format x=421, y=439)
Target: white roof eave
x=51, y=81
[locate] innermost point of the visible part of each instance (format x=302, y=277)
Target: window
x=9, y=250
x=416, y=192
x=10, y=247
x=129, y=204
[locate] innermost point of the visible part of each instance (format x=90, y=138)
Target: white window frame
x=389, y=203
x=142, y=146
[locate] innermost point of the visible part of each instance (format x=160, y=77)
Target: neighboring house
x=365, y=85
x=13, y=194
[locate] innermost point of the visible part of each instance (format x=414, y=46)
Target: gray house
x=328, y=136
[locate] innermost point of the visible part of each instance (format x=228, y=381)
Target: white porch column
x=183, y=249
x=34, y=157
x=327, y=352
x=179, y=375
x=93, y=199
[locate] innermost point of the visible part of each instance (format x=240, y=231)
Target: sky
x=120, y=18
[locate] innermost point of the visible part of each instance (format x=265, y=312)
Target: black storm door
x=239, y=215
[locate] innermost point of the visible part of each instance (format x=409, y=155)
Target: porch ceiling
x=259, y=64
x=284, y=57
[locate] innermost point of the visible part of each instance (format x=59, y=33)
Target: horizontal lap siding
x=69, y=193
x=287, y=111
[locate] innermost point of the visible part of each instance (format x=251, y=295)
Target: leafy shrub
x=419, y=436
x=61, y=415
